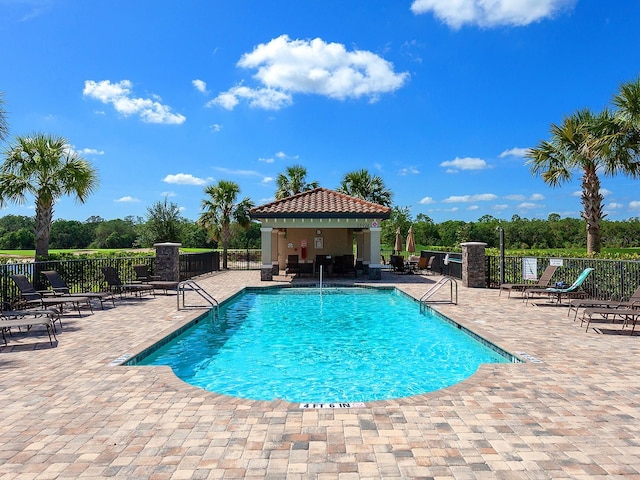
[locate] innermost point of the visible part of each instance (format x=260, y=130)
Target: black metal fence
x=611, y=279
x=243, y=259
x=194, y=264
x=85, y=274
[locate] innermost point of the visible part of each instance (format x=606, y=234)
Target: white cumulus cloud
x=490, y=13
x=127, y=199
x=200, y=85
x=119, y=95
x=285, y=67
x=426, y=201
x=514, y=152
x=408, y=171
x=482, y=197
x=91, y=151
x=634, y=205
x=185, y=179
x=467, y=163
x=527, y=206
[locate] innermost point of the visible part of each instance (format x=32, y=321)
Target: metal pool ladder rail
x=191, y=286
x=453, y=284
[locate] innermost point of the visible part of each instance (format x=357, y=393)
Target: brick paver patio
x=69, y=411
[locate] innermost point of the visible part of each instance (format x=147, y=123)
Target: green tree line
x=519, y=232
x=17, y=232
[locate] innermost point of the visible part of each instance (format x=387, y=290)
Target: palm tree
x=627, y=117
x=44, y=166
x=293, y=182
x=361, y=184
x=4, y=125
x=219, y=209
x=587, y=142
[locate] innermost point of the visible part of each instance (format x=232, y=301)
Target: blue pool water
x=346, y=345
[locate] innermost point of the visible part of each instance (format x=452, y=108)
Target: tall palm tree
x=219, y=209
x=293, y=181
x=4, y=124
x=44, y=166
x=361, y=184
x=584, y=141
x=627, y=117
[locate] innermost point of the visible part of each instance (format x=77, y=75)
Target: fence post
x=168, y=261
x=473, y=264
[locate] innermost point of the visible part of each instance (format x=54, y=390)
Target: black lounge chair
x=143, y=275
x=27, y=319
x=31, y=296
x=344, y=264
x=116, y=285
x=59, y=287
x=292, y=266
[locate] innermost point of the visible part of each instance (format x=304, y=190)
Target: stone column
x=266, y=269
x=168, y=261
x=473, y=264
x=375, y=269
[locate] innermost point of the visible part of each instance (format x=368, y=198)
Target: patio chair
x=59, y=287
x=579, y=303
x=143, y=275
x=397, y=263
x=27, y=319
x=116, y=285
x=560, y=292
x=543, y=281
x=292, y=266
x=344, y=264
x=30, y=296
x=425, y=264
x=628, y=314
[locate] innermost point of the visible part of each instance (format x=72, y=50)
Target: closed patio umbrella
x=411, y=243
x=398, y=245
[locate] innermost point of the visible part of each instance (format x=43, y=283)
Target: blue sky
x=441, y=98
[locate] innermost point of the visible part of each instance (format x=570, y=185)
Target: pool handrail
x=424, y=299
x=193, y=286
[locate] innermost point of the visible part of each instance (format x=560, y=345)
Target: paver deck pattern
x=70, y=412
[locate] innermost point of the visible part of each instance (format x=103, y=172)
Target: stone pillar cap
x=474, y=243
x=167, y=244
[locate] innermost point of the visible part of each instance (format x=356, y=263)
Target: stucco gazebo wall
x=335, y=241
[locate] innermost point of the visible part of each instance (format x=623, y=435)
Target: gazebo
x=320, y=222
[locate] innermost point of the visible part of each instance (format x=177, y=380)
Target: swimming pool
x=344, y=345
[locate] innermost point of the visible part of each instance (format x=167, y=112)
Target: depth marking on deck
x=121, y=359
x=529, y=358
x=333, y=405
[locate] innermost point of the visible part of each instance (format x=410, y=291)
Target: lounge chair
x=560, y=292
x=143, y=275
x=542, y=282
x=292, y=266
x=397, y=263
x=59, y=287
x=425, y=264
x=27, y=319
x=628, y=314
x=344, y=264
x=116, y=285
x=32, y=297
x=578, y=303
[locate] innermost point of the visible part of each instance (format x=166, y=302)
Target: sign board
x=556, y=262
x=529, y=268
x=303, y=243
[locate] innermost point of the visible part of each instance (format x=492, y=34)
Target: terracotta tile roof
x=320, y=202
